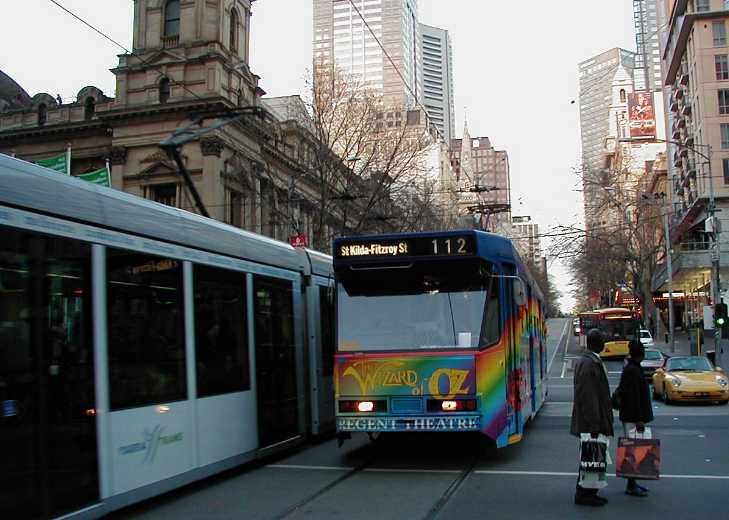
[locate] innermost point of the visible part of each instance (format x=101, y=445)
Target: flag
x=100, y=177
x=57, y=163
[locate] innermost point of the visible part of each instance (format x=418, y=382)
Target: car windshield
x=644, y=334
x=416, y=309
x=695, y=363
x=653, y=355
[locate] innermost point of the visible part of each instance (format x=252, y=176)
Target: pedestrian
x=592, y=410
x=635, y=403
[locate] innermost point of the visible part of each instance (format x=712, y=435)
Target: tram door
x=514, y=345
x=278, y=410
x=48, y=457
x=532, y=357
x=320, y=327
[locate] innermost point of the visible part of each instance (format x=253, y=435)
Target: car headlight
x=722, y=381
x=675, y=381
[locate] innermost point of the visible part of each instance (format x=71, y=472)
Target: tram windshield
x=419, y=308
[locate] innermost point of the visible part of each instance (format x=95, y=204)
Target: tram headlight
x=365, y=406
x=449, y=406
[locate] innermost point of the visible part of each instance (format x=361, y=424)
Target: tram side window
x=221, y=332
x=146, y=333
x=490, y=331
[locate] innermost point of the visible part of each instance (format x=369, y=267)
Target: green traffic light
x=720, y=321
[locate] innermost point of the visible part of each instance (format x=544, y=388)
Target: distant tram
x=617, y=325
x=437, y=332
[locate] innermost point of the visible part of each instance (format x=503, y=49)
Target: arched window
x=233, y=36
x=42, y=114
x=622, y=95
x=164, y=90
x=89, y=108
x=172, y=18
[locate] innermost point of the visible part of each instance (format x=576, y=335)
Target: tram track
x=312, y=497
x=451, y=490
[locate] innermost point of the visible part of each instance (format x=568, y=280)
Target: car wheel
x=724, y=402
x=664, y=396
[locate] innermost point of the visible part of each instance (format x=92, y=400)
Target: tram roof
x=28, y=186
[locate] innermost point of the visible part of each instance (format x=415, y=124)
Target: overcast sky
x=515, y=71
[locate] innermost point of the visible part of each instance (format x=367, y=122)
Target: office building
x=348, y=34
x=438, y=96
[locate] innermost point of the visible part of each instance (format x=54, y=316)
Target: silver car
x=653, y=360
x=645, y=338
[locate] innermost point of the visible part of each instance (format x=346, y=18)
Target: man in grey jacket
x=592, y=410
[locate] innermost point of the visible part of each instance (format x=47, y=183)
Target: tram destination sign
x=450, y=245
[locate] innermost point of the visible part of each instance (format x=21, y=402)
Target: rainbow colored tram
x=437, y=332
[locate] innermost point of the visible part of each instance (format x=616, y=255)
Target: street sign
x=298, y=240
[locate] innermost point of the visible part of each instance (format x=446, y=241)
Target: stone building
x=190, y=59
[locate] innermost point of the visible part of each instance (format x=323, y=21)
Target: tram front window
x=413, y=310
x=624, y=330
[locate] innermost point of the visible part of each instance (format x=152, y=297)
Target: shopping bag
x=638, y=458
x=593, y=463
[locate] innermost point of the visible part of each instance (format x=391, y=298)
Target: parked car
x=645, y=338
x=576, y=326
x=690, y=378
x=653, y=360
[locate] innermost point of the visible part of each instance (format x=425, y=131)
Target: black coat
x=635, y=398
x=592, y=410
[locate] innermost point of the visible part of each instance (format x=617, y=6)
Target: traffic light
x=720, y=315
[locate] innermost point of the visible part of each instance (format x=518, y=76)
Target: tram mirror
x=520, y=297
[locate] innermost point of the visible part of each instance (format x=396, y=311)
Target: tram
x=437, y=332
x=143, y=347
x=617, y=325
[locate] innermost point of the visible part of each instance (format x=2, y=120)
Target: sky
x=515, y=74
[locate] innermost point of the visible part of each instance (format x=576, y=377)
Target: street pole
x=715, y=254
x=670, y=283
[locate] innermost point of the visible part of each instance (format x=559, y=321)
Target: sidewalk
x=683, y=347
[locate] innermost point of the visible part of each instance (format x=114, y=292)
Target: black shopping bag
x=638, y=458
x=593, y=456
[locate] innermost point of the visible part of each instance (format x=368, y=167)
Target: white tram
x=143, y=347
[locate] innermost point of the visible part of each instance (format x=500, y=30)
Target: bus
x=617, y=325
x=437, y=332
x=143, y=347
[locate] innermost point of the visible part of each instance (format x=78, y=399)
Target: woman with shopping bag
x=633, y=399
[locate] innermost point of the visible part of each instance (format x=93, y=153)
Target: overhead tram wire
x=131, y=53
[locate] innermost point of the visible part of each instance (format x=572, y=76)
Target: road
x=422, y=476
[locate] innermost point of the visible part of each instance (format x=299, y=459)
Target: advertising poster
x=641, y=115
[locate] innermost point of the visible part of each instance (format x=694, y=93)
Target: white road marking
x=549, y=366
x=478, y=472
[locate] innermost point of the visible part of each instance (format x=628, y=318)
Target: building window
x=413, y=118
x=721, y=64
x=89, y=108
x=163, y=193
x=236, y=208
x=622, y=95
x=724, y=101
x=221, y=331
x=233, y=36
x=146, y=330
x=172, y=18
x=42, y=114
x=164, y=90
x=725, y=167
x=718, y=29
x=725, y=136
x=703, y=5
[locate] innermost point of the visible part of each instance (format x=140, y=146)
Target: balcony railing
x=170, y=41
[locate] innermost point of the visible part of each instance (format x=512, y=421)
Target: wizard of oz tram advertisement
x=436, y=333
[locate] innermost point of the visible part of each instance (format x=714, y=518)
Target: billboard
x=641, y=115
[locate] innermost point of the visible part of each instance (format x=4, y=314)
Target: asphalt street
x=425, y=476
